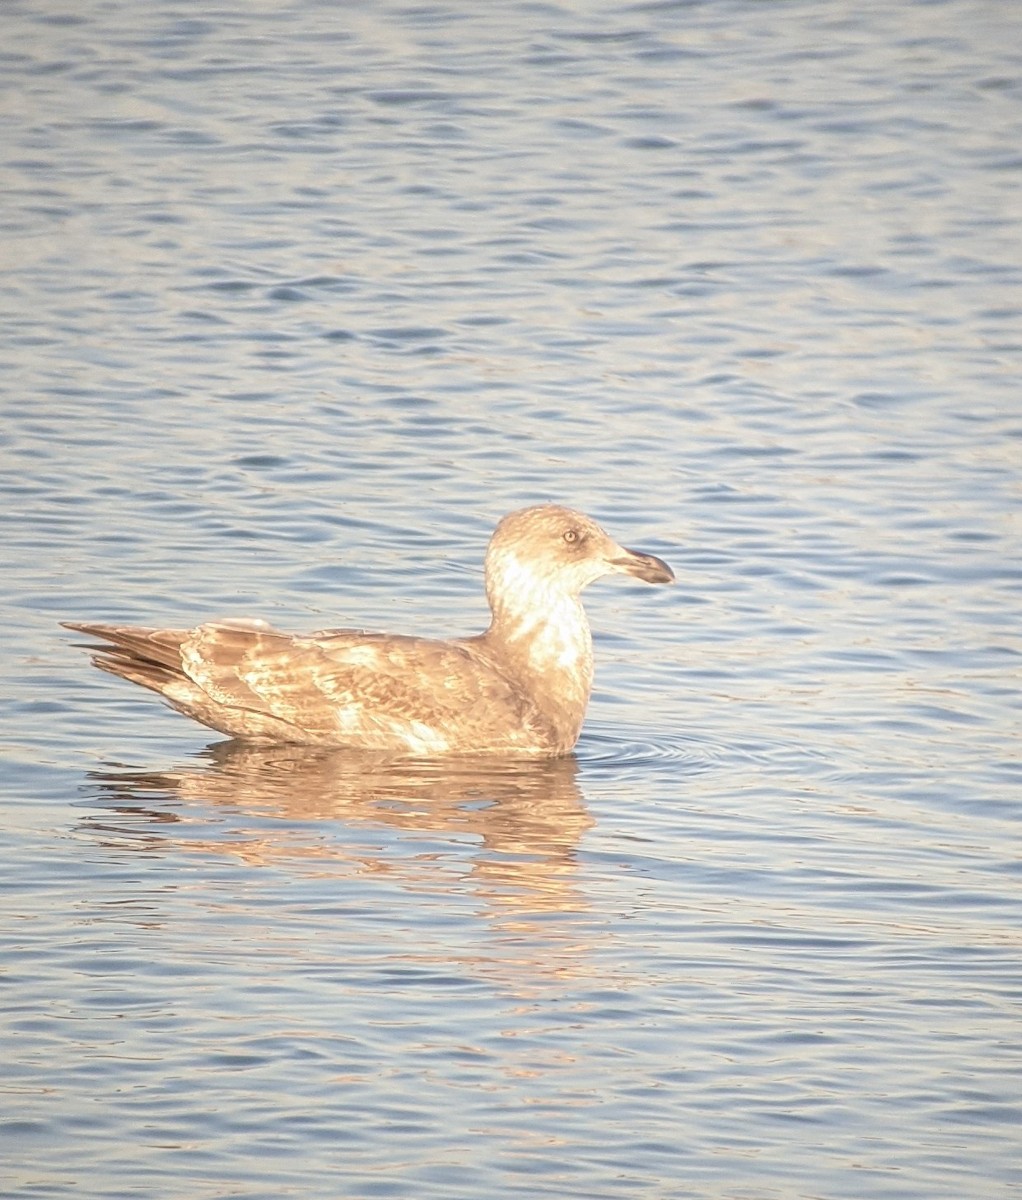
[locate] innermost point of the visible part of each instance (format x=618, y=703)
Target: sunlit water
x=298, y=301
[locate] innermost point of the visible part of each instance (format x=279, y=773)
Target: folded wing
x=374, y=691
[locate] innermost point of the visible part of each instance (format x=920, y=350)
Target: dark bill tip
x=644, y=566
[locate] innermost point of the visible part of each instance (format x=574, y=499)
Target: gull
x=521, y=687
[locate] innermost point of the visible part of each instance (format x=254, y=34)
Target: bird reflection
x=512, y=828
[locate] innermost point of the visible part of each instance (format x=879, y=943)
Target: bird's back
x=337, y=687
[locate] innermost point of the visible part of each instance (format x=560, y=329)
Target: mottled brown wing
x=360, y=689
x=450, y=696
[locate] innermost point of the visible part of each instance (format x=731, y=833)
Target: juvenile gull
x=519, y=688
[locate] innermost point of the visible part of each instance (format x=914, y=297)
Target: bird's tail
x=148, y=657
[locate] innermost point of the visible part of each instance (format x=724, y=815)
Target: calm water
x=299, y=299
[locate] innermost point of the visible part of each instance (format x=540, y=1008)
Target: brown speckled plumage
x=520, y=687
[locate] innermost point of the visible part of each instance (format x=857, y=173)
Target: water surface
x=299, y=301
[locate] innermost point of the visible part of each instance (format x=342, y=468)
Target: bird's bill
x=643, y=566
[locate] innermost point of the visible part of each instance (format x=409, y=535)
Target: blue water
x=298, y=301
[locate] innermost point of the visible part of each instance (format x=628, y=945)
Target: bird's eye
x=571, y=535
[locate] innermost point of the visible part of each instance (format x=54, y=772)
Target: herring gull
x=521, y=687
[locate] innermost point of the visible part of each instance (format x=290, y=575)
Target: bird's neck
x=542, y=636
